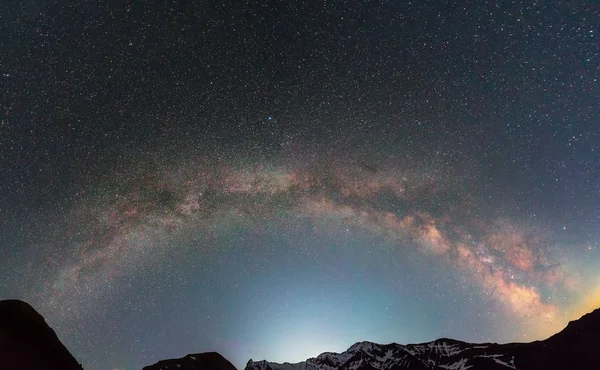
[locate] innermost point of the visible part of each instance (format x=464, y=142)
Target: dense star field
x=280, y=179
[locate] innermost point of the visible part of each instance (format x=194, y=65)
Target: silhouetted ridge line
x=28, y=343
x=198, y=361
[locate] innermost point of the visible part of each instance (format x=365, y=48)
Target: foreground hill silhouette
x=200, y=361
x=28, y=343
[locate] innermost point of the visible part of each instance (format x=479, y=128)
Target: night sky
x=277, y=179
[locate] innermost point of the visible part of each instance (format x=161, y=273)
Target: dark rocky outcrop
x=200, y=361
x=28, y=343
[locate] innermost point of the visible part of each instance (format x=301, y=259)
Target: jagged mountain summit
x=28, y=343
x=575, y=347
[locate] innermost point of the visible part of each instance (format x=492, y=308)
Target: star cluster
x=275, y=180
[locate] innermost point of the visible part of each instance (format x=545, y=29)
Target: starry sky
x=276, y=179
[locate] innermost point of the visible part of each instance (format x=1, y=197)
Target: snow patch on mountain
x=442, y=354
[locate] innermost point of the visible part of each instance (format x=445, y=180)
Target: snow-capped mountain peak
x=569, y=349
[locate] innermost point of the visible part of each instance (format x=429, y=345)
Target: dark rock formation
x=200, y=361
x=28, y=343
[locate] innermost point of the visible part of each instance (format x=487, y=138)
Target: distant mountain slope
x=28, y=343
x=575, y=347
x=200, y=361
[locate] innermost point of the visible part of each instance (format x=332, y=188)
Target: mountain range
x=575, y=347
x=28, y=343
